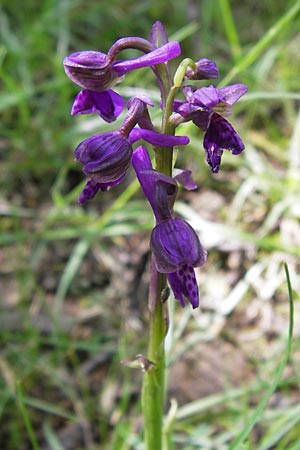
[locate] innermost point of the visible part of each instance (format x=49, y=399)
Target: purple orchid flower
x=177, y=250
x=97, y=73
x=106, y=157
x=207, y=107
x=174, y=243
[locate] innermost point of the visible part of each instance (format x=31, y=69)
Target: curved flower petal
x=158, y=139
x=159, y=55
x=184, y=177
x=159, y=189
x=108, y=104
x=86, y=58
x=91, y=70
x=140, y=98
x=231, y=94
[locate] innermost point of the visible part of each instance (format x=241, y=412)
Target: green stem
x=153, y=384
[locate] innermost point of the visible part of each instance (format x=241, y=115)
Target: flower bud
x=205, y=69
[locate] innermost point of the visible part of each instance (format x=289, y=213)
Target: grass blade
x=26, y=418
x=262, y=44
x=79, y=252
x=230, y=29
x=257, y=413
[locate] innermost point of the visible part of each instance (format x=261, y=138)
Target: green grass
x=69, y=311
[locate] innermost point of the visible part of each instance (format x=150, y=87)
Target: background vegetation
x=74, y=280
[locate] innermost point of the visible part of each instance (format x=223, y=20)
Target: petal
x=108, y=104
x=206, y=96
x=86, y=58
x=213, y=156
x=200, y=115
x=159, y=189
x=184, y=285
x=89, y=191
x=184, y=177
x=158, y=35
x=92, y=187
x=201, y=118
x=206, y=69
x=141, y=159
x=142, y=98
x=220, y=136
x=160, y=55
x=91, y=70
x=231, y=94
x=159, y=139
x=105, y=157
x=98, y=146
x=188, y=92
x=174, y=243
x=176, y=104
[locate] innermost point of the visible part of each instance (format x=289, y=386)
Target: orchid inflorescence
x=107, y=156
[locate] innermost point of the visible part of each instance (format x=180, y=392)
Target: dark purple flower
x=207, y=107
x=175, y=245
x=107, y=104
x=177, y=250
x=98, y=72
x=91, y=70
x=106, y=157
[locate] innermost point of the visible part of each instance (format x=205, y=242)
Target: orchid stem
x=153, y=394
x=153, y=391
